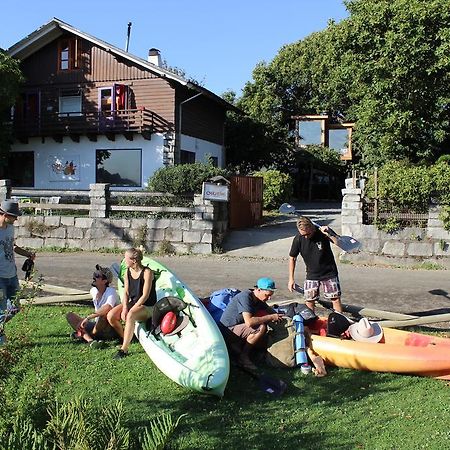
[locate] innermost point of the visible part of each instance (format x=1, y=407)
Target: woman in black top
x=138, y=298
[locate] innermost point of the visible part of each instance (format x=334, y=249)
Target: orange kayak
x=398, y=352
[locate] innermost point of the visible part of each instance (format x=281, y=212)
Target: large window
x=310, y=132
x=119, y=167
x=338, y=140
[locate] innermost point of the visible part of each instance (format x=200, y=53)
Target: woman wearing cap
x=9, y=283
x=95, y=327
x=138, y=298
x=242, y=317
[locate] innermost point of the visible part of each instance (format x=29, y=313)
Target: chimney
x=154, y=57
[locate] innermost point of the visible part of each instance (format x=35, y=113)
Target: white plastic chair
x=42, y=201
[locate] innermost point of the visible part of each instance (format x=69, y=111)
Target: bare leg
x=139, y=314
x=114, y=319
x=251, y=341
x=337, y=305
x=75, y=322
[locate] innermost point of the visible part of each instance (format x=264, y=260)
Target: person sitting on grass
x=105, y=299
x=139, y=296
x=242, y=319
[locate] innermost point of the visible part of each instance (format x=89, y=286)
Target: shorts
x=243, y=331
x=104, y=330
x=331, y=289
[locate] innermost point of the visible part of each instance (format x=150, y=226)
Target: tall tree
x=10, y=79
x=386, y=67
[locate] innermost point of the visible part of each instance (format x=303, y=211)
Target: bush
x=183, y=178
x=278, y=188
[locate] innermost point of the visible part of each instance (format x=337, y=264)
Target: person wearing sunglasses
x=94, y=328
x=139, y=296
x=9, y=282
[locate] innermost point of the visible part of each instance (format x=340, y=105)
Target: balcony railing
x=79, y=123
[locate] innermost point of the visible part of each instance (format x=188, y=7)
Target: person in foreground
x=313, y=244
x=9, y=282
x=138, y=299
x=242, y=319
x=105, y=299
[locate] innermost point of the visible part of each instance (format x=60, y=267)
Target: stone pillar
x=99, y=197
x=351, y=212
x=5, y=189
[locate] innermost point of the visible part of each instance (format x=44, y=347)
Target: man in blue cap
x=247, y=316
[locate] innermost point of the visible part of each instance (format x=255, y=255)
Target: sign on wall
x=215, y=192
x=64, y=168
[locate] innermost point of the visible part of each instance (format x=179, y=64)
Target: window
x=310, y=132
x=187, y=157
x=119, y=167
x=70, y=103
x=69, y=54
x=214, y=161
x=338, y=140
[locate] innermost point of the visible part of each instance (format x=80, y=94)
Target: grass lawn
x=346, y=410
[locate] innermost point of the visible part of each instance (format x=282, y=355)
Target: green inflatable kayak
x=196, y=357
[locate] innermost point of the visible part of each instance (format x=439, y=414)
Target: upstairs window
x=69, y=54
x=70, y=103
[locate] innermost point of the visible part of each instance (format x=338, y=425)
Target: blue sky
x=218, y=43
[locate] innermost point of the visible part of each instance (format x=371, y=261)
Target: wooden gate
x=246, y=201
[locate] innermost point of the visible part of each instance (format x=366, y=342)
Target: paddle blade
x=349, y=244
x=287, y=208
x=115, y=269
x=273, y=386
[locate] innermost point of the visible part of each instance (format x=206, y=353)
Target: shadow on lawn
x=248, y=418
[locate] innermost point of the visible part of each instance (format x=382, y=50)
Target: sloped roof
x=56, y=27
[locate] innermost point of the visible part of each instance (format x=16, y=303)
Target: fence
x=195, y=229
x=423, y=243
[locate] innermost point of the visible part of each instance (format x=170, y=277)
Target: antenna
x=128, y=36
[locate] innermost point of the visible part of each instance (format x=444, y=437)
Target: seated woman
x=105, y=299
x=138, y=298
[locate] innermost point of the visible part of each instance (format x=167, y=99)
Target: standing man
x=9, y=283
x=313, y=244
x=243, y=318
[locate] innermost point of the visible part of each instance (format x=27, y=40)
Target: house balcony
x=91, y=124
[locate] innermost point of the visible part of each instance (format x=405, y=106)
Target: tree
x=10, y=79
x=386, y=67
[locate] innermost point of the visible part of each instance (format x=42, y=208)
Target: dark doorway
x=21, y=169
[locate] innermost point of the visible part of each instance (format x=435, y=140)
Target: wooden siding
x=201, y=117
x=102, y=69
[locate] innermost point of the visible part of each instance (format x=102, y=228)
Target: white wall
x=83, y=155
x=202, y=148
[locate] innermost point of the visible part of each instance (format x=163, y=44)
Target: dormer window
x=69, y=54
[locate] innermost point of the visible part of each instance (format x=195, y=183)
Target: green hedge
x=278, y=188
x=183, y=178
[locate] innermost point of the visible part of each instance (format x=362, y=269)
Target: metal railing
x=384, y=210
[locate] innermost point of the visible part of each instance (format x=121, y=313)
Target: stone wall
x=199, y=235
x=410, y=244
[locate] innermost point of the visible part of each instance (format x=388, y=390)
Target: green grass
x=346, y=410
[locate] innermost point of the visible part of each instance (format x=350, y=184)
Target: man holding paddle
x=313, y=244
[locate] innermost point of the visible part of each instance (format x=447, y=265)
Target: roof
x=56, y=27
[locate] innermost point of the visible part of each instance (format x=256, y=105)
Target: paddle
x=346, y=243
x=268, y=384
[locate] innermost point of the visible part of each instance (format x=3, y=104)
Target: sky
x=217, y=43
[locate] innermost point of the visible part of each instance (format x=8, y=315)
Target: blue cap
x=266, y=284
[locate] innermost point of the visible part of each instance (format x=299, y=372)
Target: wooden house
x=90, y=112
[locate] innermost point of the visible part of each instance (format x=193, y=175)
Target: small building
x=90, y=112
